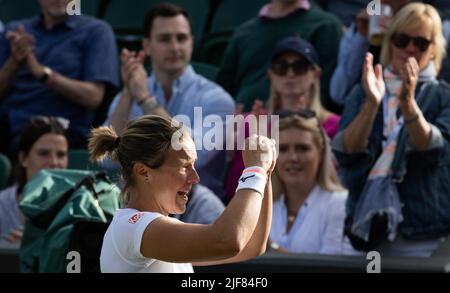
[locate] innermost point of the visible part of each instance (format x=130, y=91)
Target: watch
x=47, y=72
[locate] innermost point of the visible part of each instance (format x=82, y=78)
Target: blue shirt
x=9, y=211
x=81, y=48
x=352, y=52
x=188, y=91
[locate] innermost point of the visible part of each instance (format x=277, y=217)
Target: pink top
x=331, y=127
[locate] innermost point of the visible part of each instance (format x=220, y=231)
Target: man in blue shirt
x=55, y=65
x=173, y=88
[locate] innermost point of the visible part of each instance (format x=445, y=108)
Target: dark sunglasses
x=299, y=67
x=402, y=41
x=50, y=120
x=307, y=114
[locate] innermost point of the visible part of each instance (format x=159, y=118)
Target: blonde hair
x=146, y=139
x=327, y=177
x=416, y=15
x=274, y=101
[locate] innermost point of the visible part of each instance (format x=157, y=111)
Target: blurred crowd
x=362, y=100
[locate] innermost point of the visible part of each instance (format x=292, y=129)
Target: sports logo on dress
x=135, y=218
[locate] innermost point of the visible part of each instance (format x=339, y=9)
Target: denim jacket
x=425, y=190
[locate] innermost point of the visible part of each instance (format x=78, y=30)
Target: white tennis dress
x=121, y=250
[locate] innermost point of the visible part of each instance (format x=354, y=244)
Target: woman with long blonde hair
x=399, y=200
x=294, y=76
x=309, y=201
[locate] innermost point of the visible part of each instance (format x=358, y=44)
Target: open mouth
x=293, y=169
x=183, y=194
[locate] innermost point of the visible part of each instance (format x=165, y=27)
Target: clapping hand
x=373, y=82
x=14, y=236
x=22, y=44
x=133, y=73
x=409, y=75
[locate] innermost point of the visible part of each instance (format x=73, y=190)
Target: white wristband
x=254, y=178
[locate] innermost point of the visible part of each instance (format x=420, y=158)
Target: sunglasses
x=307, y=114
x=48, y=120
x=402, y=40
x=299, y=67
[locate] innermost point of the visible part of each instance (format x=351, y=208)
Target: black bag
x=87, y=239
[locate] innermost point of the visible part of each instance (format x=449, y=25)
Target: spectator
x=294, y=76
x=245, y=63
x=353, y=47
x=142, y=238
x=55, y=65
x=43, y=145
x=366, y=146
x=173, y=88
x=298, y=89
x=203, y=206
x=308, y=215
x=2, y=28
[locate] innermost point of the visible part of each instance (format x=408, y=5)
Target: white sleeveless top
x=121, y=250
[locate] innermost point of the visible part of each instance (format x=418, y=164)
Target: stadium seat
x=17, y=9
x=213, y=46
x=226, y=17
x=91, y=7
x=129, y=26
x=207, y=70
x=79, y=159
x=231, y=13
x=5, y=171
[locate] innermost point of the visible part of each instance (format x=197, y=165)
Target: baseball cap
x=296, y=45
